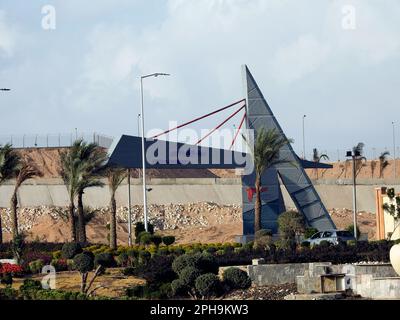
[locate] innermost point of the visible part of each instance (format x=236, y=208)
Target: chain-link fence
x=54, y=140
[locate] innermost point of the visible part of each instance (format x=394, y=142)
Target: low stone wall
x=378, y=288
x=273, y=274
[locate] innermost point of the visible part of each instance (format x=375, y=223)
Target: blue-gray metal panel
x=292, y=174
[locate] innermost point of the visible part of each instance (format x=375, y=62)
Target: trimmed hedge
x=70, y=250
x=236, y=278
x=208, y=285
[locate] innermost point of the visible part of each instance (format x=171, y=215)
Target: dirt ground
x=50, y=230
x=111, y=284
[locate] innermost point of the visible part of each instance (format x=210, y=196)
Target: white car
x=331, y=236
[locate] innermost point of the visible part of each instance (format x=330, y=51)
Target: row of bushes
x=374, y=251
x=194, y=275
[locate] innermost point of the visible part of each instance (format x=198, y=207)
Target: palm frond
x=10, y=161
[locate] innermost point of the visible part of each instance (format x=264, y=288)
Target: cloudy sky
x=306, y=56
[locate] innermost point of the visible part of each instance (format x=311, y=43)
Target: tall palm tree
x=9, y=162
x=383, y=162
x=115, y=176
x=317, y=159
x=27, y=169
x=266, y=154
x=80, y=169
x=94, y=159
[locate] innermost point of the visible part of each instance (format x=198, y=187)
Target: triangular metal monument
x=292, y=174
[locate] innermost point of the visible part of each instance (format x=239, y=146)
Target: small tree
x=290, y=225
x=267, y=147
x=17, y=247
x=383, y=162
x=317, y=159
x=9, y=163
x=84, y=263
x=168, y=240
x=27, y=169
x=115, y=176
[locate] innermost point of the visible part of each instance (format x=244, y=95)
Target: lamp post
x=304, y=138
x=394, y=148
x=129, y=210
x=354, y=155
x=143, y=145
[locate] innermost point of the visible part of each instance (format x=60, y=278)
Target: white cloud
x=299, y=59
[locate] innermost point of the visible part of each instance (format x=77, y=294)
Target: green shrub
x=122, y=260
x=57, y=254
x=168, y=240
x=309, y=232
x=178, y=288
x=236, y=278
x=189, y=275
x=263, y=242
x=83, y=263
x=70, y=250
x=29, y=285
x=156, y=240
x=163, y=251
x=263, y=233
x=144, y=256
x=145, y=238
x=105, y=260
x=8, y=293
x=350, y=229
x=70, y=265
x=182, y=262
x=208, y=285
x=90, y=254
x=129, y=271
x=305, y=244
x=290, y=223
x=59, y=264
x=139, y=228
x=36, y=266
x=165, y=291
x=6, y=279
x=136, y=291
x=207, y=263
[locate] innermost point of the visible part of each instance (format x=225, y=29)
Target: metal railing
x=54, y=140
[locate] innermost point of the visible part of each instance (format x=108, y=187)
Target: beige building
x=387, y=227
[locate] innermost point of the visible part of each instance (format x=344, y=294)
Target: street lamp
x=394, y=149
x=143, y=145
x=129, y=209
x=354, y=155
x=304, y=139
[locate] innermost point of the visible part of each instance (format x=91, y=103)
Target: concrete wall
x=273, y=274
x=181, y=190
x=52, y=192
